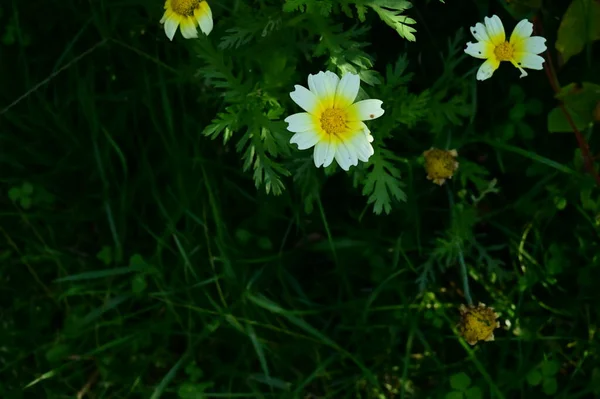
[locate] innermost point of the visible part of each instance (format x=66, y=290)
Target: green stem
x=461, y=257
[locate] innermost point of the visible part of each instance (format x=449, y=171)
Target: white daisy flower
x=332, y=122
x=521, y=50
x=187, y=15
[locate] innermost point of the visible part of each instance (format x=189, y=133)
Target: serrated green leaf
x=383, y=184
x=390, y=12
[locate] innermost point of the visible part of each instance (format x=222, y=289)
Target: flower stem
x=588, y=160
x=461, y=257
x=465, y=276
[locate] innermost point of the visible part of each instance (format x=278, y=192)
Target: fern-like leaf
x=383, y=184
x=390, y=12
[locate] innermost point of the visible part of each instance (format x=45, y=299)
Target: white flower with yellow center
x=187, y=14
x=521, y=50
x=332, y=122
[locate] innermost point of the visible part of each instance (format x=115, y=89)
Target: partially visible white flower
x=187, y=15
x=332, y=122
x=521, y=50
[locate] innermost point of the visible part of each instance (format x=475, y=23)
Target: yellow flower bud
x=440, y=164
x=477, y=323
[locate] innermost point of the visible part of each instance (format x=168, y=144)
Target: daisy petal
x=171, y=25
x=522, y=31
x=300, y=122
x=483, y=50
x=203, y=15
x=479, y=32
x=188, y=28
x=306, y=139
x=528, y=60
x=345, y=155
x=333, y=79
x=324, y=153
x=486, y=70
x=362, y=147
x=166, y=16
x=305, y=99
x=495, y=30
x=347, y=90
x=533, y=45
x=365, y=110
x=323, y=87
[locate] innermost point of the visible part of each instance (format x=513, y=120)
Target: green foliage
x=579, y=26
x=461, y=383
x=580, y=101
x=161, y=238
x=545, y=374
x=382, y=184
x=391, y=11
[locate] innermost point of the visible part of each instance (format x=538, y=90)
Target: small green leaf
x=534, y=106
x=138, y=284
x=137, y=261
x=534, y=378
x=560, y=203
x=264, y=243
x=243, y=235
x=460, y=381
x=194, y=372
x=517, y=112
x=550, y=368
x=14, y=194
x=454, y=395
x=580, y=101
x=508, y=131
x=525, y=131
x=105, y=255
x=27, y=188
x=550, y=386
x=57, y=353
x=190, y=390
x=26, y=202
x=474, y=393
x=558, y=123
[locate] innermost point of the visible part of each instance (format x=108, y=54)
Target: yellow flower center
x=440, y=164
x=185, y=7
x=504, y=51
x=333, y=121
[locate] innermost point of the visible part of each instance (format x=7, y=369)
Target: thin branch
x=588, y=160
